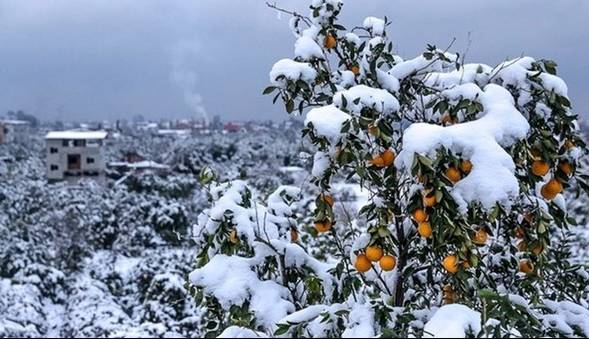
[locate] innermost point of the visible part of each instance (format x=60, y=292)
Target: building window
x=89, y=160
x=54, y=167
x=65, y=143
x=79, y=143
x=53, y=150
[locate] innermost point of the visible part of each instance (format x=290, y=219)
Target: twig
x=293, y=13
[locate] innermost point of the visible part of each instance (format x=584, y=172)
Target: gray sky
x=95, y=59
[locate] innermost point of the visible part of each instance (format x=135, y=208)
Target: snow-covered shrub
x=464, y=165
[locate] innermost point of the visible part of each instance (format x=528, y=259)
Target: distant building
x=74, y=153
x=232, y=127
x=13, y=130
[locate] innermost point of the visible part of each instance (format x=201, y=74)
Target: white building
x=13, y=131
x=74, y=153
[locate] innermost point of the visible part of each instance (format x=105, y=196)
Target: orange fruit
x=565, y=167
x=330, y=41
x=374, y=253
x=540, y=168
x=521, y=245
x=355, y=69
x=538, y=249
x=233, y=237
x=529, y=217
x=323, y=226
x=450, y=263
x=377, y=161
x=551, y=189
x=388, y=157
x=388, y=263
x=480, y=237
x=453, y=174
x=328, y=198
x=429, y=200
x=447, y=119
x=465, y=166
x=419, y=215
x=294, y=235
x=526, y=266
x=362, y=264
x=424, y=229
x=536, y=154
x=448, y=294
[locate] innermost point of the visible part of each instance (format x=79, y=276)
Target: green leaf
x=269, y=90
x=289, y=106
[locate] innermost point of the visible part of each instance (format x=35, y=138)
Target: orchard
x=468, y=169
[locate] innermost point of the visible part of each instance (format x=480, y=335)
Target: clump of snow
x=291, y=70
x=361, y=96
x=453, y=321
x=321, y=162
x=421, y=65
x=241, y=332
x=353, y=38
x=232, y=281
x=374, y=25
x=492, y=177
x=361, y=322
x=307, y=49
x=324, y=10
x=327, y=121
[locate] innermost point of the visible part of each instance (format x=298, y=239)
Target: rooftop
x=76, y=135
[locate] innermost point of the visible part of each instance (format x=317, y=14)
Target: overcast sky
x=96, y=59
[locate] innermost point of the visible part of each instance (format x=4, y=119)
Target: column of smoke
x=184, y=61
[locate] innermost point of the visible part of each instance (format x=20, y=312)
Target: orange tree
x=465, y=165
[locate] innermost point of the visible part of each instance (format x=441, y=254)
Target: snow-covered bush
x=465, y=166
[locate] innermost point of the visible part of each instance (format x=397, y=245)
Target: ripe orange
x=450, y=263
x=465, y=166
x=294, y=235
x=429, y=200
x=374, y=253
x=529, y=217
x=424, y=229
x=328, y=198
x=233, y=237
x=377, y=160
x=521, y=245
x=551, y=189
x=448, y=294
x=419, y=215
x=453, y=174
x=362, y=264
x=388, y=263
x=565, y=167
x=538, y=249
x=330, y=41
x=540, y=168
x=447, y=119
x=480, y=237
x=526, y=266
x=355, y=69
x=388, y=157
x=323, y=226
